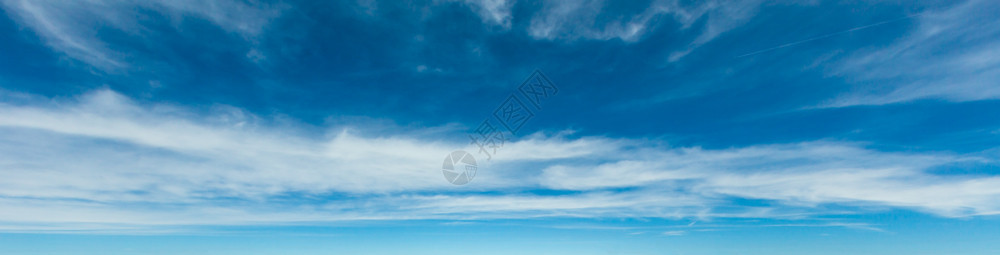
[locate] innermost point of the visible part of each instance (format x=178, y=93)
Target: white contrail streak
x=827, y=35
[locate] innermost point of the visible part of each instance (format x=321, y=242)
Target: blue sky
x=679, y=127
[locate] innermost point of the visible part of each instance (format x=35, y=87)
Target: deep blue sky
x=680, y=127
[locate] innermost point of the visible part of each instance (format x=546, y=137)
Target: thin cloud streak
x=827, y=35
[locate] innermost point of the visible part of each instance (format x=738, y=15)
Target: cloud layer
x=104, y=161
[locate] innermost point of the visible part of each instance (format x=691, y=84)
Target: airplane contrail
x=828, y=35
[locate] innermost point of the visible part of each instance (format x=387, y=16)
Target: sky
x=595, y=127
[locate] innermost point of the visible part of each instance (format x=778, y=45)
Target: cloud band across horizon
x=102, y=161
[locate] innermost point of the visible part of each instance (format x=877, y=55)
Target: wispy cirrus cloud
x=591, y=19
x=75, y=28
x=588, y=20
x=103, y=161
x=950, y=55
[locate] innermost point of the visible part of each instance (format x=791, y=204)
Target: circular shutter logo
x=459, y=167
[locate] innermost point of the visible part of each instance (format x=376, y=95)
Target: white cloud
x=674, y=233
x=247, y=18
x=55, y=22
x=798, y=174
x=580, y=19
x=496, y=12
x=721, y=16
x=587, y=19
x=569, y=20
x=103, y=161
x=72, y=27
x=952, y=55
